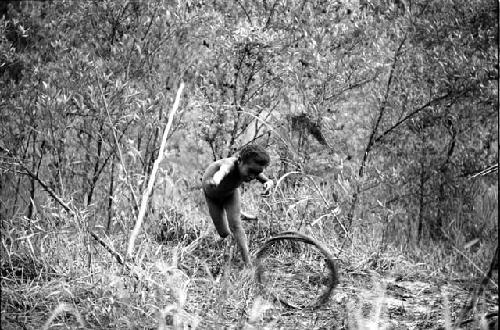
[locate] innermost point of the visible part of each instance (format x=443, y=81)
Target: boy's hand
x=268, y=185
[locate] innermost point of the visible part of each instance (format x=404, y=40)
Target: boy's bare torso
x=229, y=183
x=220, y=185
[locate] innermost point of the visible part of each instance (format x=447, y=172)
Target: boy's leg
x=232, y=207
x=217, y=214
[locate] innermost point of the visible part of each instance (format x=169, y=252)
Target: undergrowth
x=56, y=276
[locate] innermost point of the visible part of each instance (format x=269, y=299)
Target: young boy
x=220, y=185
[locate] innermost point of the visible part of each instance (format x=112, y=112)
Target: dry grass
x=54, y=276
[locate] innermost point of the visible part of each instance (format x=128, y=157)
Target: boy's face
x=249, y=170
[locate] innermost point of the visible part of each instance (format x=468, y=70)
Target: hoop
x=296, y=236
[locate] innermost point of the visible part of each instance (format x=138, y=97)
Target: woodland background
x=381, y=119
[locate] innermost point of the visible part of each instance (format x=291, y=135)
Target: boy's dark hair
x=256, y=153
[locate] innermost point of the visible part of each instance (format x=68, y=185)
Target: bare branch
x=382, y=108
x=350, y=87
x=412, y=114
x=64, y=205
x=120, y=154
x=246, y=12
x=151, y=181
x=45, y=187
x=110, y=249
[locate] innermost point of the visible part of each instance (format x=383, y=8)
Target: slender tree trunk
x=35, y=169
x=16, y=196
x=87, y=179
x=29, y=214
x=110, y=196
x=372, y=140
x=355, y=195
x=152, y=155
x=443, y=210
x=19, y=180
x=421, y=200
x=96, y=170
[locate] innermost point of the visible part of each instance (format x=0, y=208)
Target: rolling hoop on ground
x=332, y=280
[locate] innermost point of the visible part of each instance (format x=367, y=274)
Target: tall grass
x=55, y=276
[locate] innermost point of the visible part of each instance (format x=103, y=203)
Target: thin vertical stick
x=120, y=154
x=149, y=189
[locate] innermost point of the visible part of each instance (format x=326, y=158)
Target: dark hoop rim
x=297, y=236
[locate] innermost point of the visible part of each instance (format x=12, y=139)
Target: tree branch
x=65, y=206
x=151, y=181
x=371, y=140
x=246, y=12
x=120, y=155
x=350, y=87
x=413, y=113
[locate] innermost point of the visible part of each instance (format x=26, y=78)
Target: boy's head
x=252, y=161
x=256, y=153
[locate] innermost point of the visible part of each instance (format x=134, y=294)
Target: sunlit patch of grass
x=369, y=312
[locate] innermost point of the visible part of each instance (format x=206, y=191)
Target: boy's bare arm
x=262, y=178
x=226, y=165
x=268, y=183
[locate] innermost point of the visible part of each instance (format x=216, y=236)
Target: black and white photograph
x=249, y=164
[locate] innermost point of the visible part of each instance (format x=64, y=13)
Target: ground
x=201, y=283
